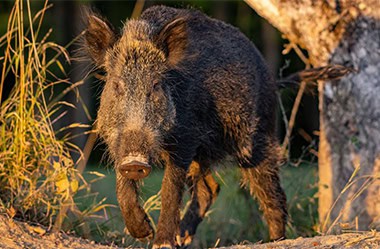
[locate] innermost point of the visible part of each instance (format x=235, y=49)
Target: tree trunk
x=345, y=33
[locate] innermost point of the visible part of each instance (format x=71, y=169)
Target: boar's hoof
x=135, y=170
x=184, y=241
x=162, y=246
x=142, y=231
x=147, y=238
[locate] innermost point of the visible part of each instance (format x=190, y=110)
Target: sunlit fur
x=132, y=118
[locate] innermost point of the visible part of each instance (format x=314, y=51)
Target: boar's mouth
x=134, y=168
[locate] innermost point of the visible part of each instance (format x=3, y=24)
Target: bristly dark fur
x=189, y=90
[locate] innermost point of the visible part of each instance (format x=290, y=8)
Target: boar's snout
x=134, y=168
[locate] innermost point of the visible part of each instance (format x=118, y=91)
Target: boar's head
x=136, y=106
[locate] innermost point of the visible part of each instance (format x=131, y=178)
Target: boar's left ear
x=98, y=37
x=172, y=39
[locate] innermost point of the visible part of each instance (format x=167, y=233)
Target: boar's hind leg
x=204, y=190
x=171, y=197
x=264, y=182
x=136, y=220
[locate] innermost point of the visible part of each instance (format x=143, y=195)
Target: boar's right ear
x=99, y=36
x=172, y=39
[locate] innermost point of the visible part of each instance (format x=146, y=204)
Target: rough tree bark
x=345, y=32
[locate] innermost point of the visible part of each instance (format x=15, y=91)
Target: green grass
x=234, y=217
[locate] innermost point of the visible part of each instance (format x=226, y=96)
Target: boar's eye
x=156, y=86
x=155, y=90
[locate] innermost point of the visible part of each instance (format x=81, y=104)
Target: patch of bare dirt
x=367, y=240
x=15, y=234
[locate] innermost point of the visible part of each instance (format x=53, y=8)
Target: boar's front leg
x=136, y=220
x=171, y=197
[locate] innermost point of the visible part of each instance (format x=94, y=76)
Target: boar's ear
x=98, y=37
x=172, y=39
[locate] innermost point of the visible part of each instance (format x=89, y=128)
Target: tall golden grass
x=37, y=174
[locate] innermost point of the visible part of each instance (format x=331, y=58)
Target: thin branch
x=139, y=5
x=292, y=119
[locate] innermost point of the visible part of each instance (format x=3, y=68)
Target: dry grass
x=38, y=177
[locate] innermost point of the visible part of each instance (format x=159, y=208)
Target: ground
x=15, y=234
x=367, y=240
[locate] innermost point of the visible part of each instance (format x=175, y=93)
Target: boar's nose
x=134, y=168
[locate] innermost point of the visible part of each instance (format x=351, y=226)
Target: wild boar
x=186, y=90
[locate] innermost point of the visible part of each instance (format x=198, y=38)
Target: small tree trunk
x=346, y=33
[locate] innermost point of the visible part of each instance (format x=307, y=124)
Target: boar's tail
x=331, y=72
